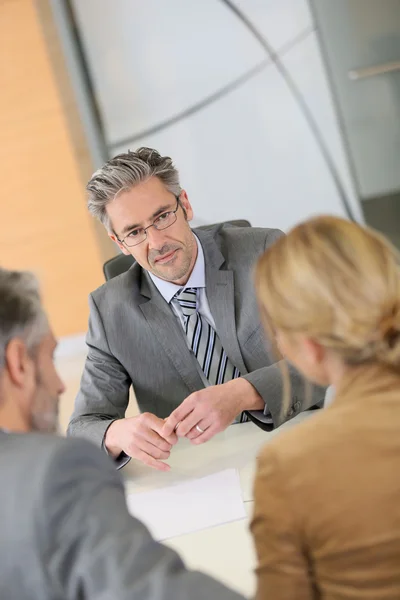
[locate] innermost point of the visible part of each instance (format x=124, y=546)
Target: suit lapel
x=221, y=298
x=168, y=332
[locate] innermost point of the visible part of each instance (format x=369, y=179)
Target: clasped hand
x=201, y=415
x=207, y=412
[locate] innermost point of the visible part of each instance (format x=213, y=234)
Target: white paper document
x=190, y=506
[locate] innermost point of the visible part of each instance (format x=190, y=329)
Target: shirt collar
x=197, y=277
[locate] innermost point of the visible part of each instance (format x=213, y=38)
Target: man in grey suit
x=181, y=325
x=65, y=529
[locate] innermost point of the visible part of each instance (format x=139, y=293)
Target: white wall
x=248, y=154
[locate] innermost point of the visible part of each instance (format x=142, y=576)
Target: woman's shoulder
x=299, y=443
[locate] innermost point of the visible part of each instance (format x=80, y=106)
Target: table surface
x=226, y=552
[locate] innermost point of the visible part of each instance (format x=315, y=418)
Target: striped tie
x=206, y=344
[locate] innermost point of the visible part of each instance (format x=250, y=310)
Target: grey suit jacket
x=135, y=338
x=66, y=534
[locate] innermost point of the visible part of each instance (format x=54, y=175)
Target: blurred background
x=273, y=110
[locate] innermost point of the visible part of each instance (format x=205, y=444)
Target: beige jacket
x=327, y=498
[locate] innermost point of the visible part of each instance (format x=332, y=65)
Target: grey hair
x=125, y=171
x=21, y=311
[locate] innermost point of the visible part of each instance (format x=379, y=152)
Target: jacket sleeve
x=283, y=569
x=95, y=549
x=104, y=391
x=269, y=382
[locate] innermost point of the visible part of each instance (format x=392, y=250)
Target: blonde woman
x=327, y=492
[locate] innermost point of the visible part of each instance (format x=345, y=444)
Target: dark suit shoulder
x=39, y=453
x=33, y=447
x=260, y=236
x=243, y=245
x=120, y=287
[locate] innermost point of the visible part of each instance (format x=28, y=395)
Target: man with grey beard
x=65, y=530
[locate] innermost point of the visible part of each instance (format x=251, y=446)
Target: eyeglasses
x=138, y=235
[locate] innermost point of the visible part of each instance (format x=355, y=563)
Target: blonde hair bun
x=338, y=282
x=388, y=338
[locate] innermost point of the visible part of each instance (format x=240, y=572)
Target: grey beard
x=45, y=422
